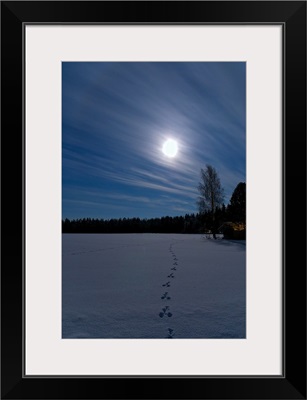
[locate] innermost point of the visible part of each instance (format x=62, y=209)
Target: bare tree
x=211, y=193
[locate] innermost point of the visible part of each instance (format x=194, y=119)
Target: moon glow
x=170, y=148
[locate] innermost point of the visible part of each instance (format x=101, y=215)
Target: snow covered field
x=152, y=286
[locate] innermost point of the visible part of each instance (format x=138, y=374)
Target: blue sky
x=116, y=118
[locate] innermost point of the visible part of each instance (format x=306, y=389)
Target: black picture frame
x=290, y=14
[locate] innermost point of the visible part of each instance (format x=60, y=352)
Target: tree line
x=212, y=216
x=211, y=198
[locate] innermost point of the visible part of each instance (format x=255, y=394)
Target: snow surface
x=116, y=286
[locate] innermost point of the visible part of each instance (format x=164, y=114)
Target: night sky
x=116, y=118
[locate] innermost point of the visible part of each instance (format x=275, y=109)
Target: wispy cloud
x=116, y=117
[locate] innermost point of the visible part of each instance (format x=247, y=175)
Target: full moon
x=170, y=148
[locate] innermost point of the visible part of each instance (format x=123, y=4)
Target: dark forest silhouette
x=203, y=222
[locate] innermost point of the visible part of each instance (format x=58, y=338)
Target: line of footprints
x=166, y=296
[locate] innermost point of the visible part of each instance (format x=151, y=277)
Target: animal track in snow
x=165, y=311
x=171, y=333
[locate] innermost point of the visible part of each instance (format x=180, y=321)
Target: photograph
x=154, y=200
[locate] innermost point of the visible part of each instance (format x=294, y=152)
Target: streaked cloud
x=116, y=117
